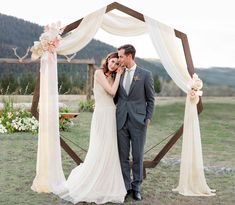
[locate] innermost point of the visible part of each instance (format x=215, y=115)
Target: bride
x=99, y=179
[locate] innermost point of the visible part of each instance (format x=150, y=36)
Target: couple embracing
x=124, y=103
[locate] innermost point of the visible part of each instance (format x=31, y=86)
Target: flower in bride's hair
x=48, y=41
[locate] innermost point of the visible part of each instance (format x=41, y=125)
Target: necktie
x=128, y=81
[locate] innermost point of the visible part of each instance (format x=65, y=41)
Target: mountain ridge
x=19, y=33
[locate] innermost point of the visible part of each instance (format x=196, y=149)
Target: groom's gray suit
x=133, y=111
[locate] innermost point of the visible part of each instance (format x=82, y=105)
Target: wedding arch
x=75, y=36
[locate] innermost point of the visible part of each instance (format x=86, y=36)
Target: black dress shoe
x=137, y=195
x=128, y=193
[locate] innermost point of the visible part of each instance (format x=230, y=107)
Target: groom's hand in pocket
x=147, y=122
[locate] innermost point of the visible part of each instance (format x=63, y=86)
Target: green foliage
x=21, y=84
x=86, y=106
x=8, y=83
x=16, y=120
x=64, y=83
x=27, y=84
x=66, y=124
x=8, y=104
x=64, y=110
x=20, y=120
x=157, y=84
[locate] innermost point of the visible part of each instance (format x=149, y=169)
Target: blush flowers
x=48, y=41
x=196, y=85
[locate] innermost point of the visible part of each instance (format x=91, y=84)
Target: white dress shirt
x=132, y=71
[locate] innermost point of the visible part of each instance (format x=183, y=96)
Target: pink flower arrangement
x=50, y=45
x=194, y=93
x=49, y=41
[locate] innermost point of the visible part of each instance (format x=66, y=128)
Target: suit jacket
x=139, y=103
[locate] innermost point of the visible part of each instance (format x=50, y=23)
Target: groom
x=135, y=105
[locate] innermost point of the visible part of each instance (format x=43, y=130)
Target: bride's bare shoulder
x=99, y=72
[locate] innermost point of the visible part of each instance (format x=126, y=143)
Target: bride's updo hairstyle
x=104, y=62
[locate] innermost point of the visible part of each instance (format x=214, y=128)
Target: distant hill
x=214, y=76
x=16, y=33
x=20, y=33
x=217, y=76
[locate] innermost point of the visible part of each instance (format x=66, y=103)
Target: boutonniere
x=136, y=77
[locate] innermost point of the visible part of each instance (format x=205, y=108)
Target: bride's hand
x=120, y=70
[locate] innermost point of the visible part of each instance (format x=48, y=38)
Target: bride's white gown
x=99, y=179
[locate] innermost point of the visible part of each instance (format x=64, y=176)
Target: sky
x=208, y=24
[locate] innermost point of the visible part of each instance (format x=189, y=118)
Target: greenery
x=19, y=150
x=21, y=120
x=16, y=120
x=65, y=124
x=157, y=84
x=87, y=105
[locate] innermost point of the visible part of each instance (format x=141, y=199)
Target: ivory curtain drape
x=192, y=180
x=49, y=172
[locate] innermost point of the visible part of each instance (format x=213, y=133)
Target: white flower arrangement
x=17, y=121
x=25, y=124
x=2, y=129
x=196, y=85
x=48, y=41
x=21, y=120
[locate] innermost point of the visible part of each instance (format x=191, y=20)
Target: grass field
x=217, y=121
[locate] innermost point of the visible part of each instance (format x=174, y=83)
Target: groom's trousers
x=131, y=137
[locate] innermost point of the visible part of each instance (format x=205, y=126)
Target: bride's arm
x=101, y=79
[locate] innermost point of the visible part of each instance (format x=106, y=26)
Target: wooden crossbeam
x=70, y=152
x=59, y=61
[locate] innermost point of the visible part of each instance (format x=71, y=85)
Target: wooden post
x=187, y=53
x=89, y=84
x=36, y=93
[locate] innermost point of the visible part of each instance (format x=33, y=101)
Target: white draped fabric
x=79, y=38
x=122, y=25
x=192, y=180
x=49, y=173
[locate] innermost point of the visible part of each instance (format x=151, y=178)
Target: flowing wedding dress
x=99, y=178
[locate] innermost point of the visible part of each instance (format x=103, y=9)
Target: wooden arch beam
x=184, y=40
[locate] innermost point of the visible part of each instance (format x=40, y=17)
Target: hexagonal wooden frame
x=178, y=133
